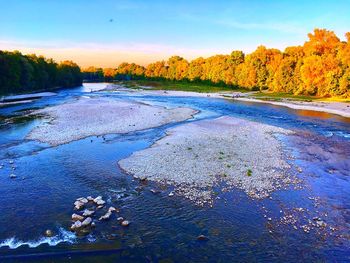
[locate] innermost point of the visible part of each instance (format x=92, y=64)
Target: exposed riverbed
x=305, y=219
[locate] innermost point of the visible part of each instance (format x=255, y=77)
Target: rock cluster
x=86, y=208
x=83, y=223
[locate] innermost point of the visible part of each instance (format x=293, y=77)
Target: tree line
x=320, y=67
x=23, y=73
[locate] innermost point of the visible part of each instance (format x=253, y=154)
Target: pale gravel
x=98, y=116
x=197, y=156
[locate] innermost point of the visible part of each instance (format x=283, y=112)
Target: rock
x=100, y=206
x=11, y=162
x=83, y=200
x=76, y=225
x=202, y=238
x=90, y=198
x=76, y=217
x=120, y=219
x=48, y=233
x=86, y=222
x=100, y=202
x=112, y=209
x=1, y=166
x=13, y=176
x=78, y=205
x=171, y=194
x=105, y=216
x=93, y=224
x=125, y=223
x=97, y=198
x=88, y=212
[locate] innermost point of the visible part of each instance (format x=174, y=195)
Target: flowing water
x=163, y=228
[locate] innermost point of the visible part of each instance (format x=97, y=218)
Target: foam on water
x=62, y=236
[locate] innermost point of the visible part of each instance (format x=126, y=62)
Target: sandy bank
x=87, y=117
x=338, y=108
x=195, y=157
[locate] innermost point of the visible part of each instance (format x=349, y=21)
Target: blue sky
x=105, y=33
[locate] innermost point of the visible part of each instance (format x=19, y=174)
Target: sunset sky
x=106, y=33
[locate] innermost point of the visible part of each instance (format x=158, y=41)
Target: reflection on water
x=321, y=115
x=162, y=227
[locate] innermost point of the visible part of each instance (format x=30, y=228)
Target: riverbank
x=332, y=107
x=196, y=157
x=99, y=116
x=338, y=108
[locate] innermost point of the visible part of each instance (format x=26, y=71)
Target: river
x=163, y=228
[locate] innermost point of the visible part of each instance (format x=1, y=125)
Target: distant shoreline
x=337, y=108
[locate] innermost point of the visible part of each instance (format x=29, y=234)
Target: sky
x=105, y=33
